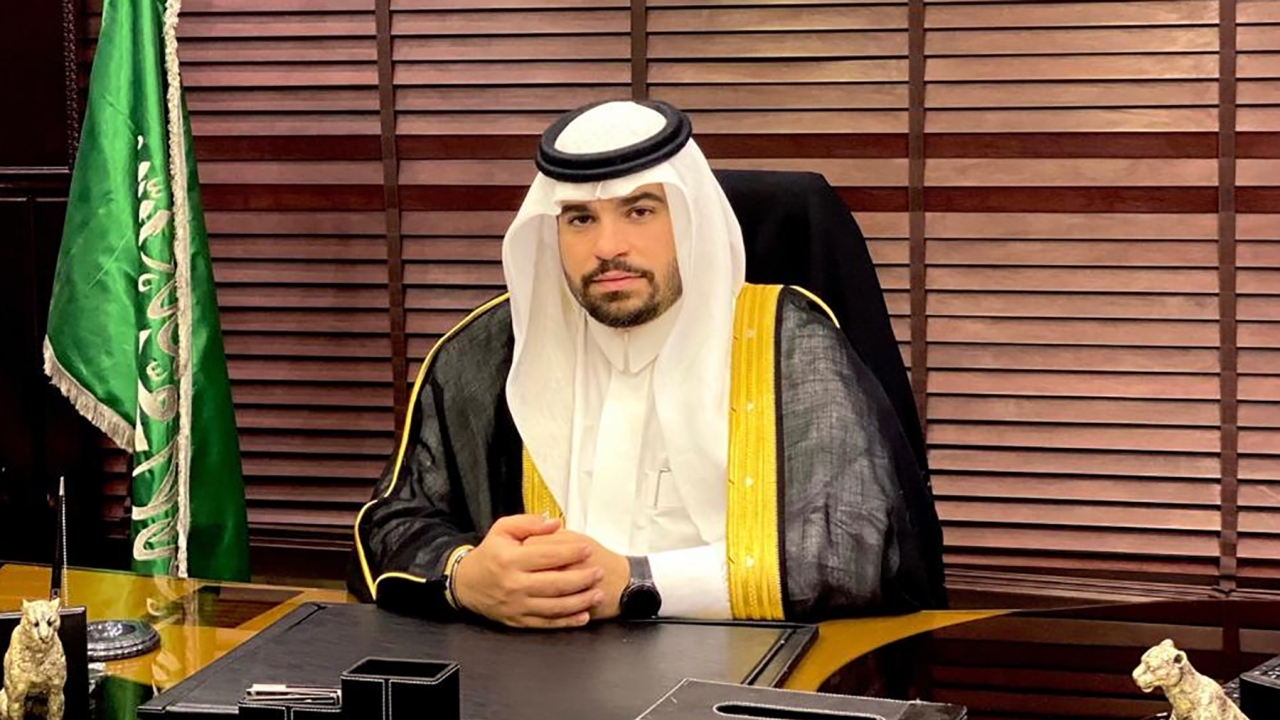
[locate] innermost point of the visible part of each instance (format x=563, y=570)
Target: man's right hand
x=527, y=586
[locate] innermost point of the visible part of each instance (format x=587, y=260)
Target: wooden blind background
x=1073, y=206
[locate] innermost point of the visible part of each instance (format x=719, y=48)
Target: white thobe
x=621, y=489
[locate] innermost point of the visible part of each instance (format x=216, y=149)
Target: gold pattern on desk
x=198, y=621
x=35, y=667
x=1192, y=695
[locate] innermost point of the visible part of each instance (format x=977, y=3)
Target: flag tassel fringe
x=102, y=417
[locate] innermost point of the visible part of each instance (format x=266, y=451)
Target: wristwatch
x=640, y=598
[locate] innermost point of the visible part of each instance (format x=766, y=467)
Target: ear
x=1167, y=643
x=57, y=603
x=25, y=605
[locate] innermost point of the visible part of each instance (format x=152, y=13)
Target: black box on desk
x=701, y=700
x=607, y=671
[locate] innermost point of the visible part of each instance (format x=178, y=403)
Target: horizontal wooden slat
x=810, y=96
x=1079, y=515
x=1075, y=384
x=344, y=370
x=264, y=25
x=779, y=71
x=312, y=394
x=507, y=73
x=510, y=22
x=303, y=297
x=1073, y=253
x=1165, y=306
x=1123, y=358
x=775, y=19
x=454, y=274
x=1115, y=280
x=280, y=74
x=270, y=418
x=1110, y=410
x=1078, y=437
x=1088, y=120
x=1039, y=331
x=351, y=321
x=1067, y=41
x=780, y=44
x=499, y=4
x=541, y=98
x=1068, y=14
x=513, y=48
x=1080, y=94
x=1203, y=568
x=260, y=51
x=315, y=443
x=1073, y=67
x=1071, y=172
x=1126, y=226
x=246, y=247
x=1092, y=540
x=280, y=99
x=1082, y=489
x=245, y=344
x=262, y=172
x=318, y=273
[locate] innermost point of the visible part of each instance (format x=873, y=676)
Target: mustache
x=615, y=265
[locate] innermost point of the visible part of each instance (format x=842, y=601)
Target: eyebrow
x=625, y=202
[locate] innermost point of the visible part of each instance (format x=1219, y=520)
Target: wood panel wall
x=1073, y=207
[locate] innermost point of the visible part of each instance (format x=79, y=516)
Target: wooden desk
x=1060, y=663
x=198, y=621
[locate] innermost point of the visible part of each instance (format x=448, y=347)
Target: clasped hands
x=528, y=572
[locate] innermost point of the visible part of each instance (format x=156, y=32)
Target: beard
x=617, y=308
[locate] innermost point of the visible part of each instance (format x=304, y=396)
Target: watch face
x=641, y=601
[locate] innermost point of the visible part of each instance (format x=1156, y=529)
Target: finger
x=519, y=527
x=533, y=558
x=563, y=606
x=558, y=537
x=559, y=583
x=534, y=622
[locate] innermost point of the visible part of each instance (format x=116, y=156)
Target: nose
x=610, y=239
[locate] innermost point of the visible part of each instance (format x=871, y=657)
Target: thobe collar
x=631, y=350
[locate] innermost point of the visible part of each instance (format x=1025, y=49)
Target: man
x=636, y=431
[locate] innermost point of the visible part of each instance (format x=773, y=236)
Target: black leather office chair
x=798, y=231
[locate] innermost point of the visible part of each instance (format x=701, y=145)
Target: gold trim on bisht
x=537, y=498
x=751, y=526
x=751, y=517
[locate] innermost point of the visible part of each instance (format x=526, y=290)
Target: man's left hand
x=617, y=571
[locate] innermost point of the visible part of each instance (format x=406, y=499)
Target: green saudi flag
x=133, y=339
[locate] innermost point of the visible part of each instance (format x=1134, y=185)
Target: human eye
x=640, y=212
x=578, y=219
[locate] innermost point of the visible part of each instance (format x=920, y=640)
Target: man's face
x=619, y=256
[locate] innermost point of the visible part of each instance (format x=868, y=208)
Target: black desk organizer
x=378, y=688
x=610, y=671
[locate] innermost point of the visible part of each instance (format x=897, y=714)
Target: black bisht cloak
x=798, y=231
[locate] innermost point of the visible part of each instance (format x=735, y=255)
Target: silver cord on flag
x=182, y=275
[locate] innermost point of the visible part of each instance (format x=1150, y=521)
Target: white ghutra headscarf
x=691, y=373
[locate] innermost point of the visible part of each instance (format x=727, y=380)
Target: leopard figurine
x=1192, y=695
x=35, y=666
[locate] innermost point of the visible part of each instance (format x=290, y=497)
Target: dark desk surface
x=1041, y=665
